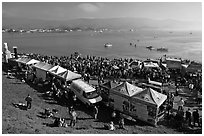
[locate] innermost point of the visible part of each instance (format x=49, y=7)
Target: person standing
x=95, y=111
x=28, y=99
x=180, y=104
x=196, y=117
x=188, y=117
x=73, y=116
x=121, y=121
x=113, y=116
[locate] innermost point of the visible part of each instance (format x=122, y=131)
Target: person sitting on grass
x=110, y=126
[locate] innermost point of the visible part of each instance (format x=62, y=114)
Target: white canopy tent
x=69, y=75
x=57, y=69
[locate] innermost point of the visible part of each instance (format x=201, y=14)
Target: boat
x=149, y=47
x=108, y=45
x=162, y=49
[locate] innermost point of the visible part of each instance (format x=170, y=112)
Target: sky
x=183, y=11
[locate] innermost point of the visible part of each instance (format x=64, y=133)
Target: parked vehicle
x=85, y=92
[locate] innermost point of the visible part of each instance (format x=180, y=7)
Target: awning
x=151, y=96
x=69, y=75
x=127, y=89
x=32, y=61
x=57, y=69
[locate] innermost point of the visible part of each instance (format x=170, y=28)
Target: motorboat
x=149, y=47
x=108, y=45
x=162, y=49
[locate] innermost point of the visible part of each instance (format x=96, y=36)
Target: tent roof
x=47, y=67
x=151, y=96
x=23, y=60
x=127, y=89
x=109, y=85
x=39, y=65
x=69, y=75
x=32, y=61
x=193, y=66
x=115, y=67
x=57, y=69
x=173, y=59
x=150, y=65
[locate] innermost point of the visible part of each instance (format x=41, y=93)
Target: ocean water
x=180, y=44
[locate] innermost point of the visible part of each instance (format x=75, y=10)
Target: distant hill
x=113, y=23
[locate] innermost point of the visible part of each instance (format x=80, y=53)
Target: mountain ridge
x=112, y=23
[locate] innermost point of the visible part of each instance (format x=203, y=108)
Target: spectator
x=28, y=100
x=196, y=117
x=180, y=104
x=188, y=117
x=73, y=116
x=95, y=111
x=121, y=121
x=113, y=116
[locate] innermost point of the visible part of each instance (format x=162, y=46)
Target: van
x=85, y=92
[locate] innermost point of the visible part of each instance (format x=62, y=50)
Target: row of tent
x=139, y=103
x=42, y=69
x=149, y=95
x=170, y=63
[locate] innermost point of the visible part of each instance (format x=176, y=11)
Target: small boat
x=149, y=47
x=162, y=49
x=108, y=45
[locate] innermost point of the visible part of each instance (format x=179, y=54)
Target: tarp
x=154, y=82
x=134, y=64
x=151, y=96
x=23, y=60
x=32, y=61
x=173, y=63
x=109, y=85
x=40, y=72
x=69, y=75
x=127, y=89
x=194, y=67
x=115, y=67
x=39, y=65
x=80, y=84
x=57, y=69
x=47, y=67
x=150, y=65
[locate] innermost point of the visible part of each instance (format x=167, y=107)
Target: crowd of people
x=102, y=68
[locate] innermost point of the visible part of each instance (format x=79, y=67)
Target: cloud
x=88, y=7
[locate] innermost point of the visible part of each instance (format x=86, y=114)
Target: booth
x=57, y=70
x=173, y=63
x=121, y=95
x=135, y=64
x=142, y=104
x=194, y=67
x=147, y=104
x=40, y=73
x=69, y=75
